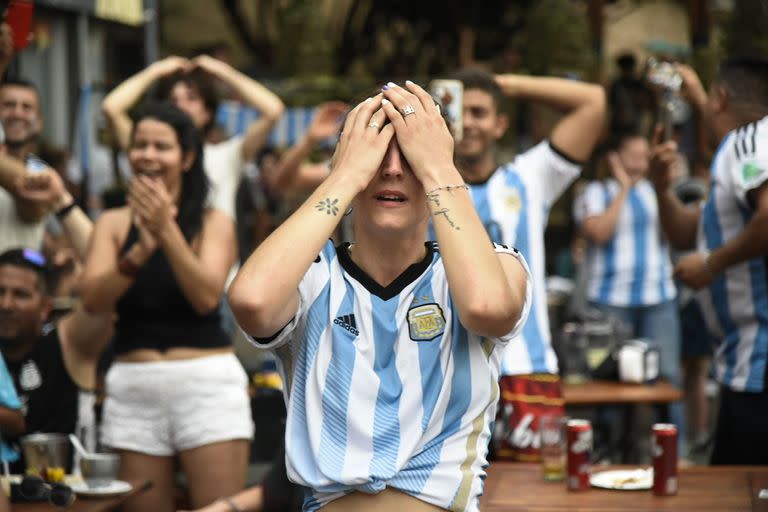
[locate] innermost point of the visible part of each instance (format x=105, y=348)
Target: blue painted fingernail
x=384, y=87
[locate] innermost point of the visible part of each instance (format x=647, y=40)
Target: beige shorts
x=162, y=408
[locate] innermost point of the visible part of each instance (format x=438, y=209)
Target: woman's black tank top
x=154, y=314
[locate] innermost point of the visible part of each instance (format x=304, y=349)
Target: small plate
x=114, y=488
x=623, y=479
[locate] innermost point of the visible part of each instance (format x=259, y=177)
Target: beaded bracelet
x=448, y=188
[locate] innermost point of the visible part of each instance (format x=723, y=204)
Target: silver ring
x=374, y=124
x=408, y=110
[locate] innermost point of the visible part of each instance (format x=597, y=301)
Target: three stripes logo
x=347, y=322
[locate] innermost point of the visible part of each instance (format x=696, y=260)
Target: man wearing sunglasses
x=53, y=367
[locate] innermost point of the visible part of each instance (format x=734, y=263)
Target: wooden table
x=520, y=486
x=598, y=392
x=85, y=504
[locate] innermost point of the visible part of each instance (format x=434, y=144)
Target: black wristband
x=63, y=212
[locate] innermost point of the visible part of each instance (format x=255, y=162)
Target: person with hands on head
x=513, y=201
x=176, y=389
x=389, y=346
x=292, y=172
x=730, y=236
x=187, y=83
x=628, y=261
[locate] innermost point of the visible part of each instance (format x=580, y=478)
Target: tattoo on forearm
x=444, y=213
x=329, y=206
x=434, y=198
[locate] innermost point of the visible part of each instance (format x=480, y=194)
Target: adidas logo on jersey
x=347, y=322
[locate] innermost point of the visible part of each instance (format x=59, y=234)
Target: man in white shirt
x=513, y=201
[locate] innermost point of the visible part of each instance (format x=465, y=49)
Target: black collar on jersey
x=396, y=286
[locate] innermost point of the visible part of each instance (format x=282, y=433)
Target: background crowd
x=114, y=318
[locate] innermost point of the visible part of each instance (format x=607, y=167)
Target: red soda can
x=579, y=454
x=664, y=454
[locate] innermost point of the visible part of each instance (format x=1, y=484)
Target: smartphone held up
x=449, y=95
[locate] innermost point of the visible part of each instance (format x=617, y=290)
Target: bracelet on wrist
x=448, y=188
x=64, y=211
x=231, y=504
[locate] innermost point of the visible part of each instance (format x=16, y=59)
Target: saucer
x=623, y=480
x=114, y=488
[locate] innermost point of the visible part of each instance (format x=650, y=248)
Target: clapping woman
x=176, y=389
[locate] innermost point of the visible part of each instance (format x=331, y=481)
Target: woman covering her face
x=389, y=347
x=176, y=390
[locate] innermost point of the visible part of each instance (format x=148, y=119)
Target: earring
x=349, y=210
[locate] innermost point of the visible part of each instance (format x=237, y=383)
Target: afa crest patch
x=426, y=322
x=512, y=201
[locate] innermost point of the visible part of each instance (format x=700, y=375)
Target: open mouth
x=148, y=174
x=388, y=197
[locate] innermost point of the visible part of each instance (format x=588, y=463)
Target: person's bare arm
x=47, y=190
x=12, y=173
x=252, y=93
x=291, y=172
x=692, y=89
x=698, y=270
x=248, y=500
x=678, y=221
x=123, y=97
x=84, y=337
x=584, y=104
x=103, y=283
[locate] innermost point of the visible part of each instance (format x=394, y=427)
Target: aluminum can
x=664, y=455
x=579, y=454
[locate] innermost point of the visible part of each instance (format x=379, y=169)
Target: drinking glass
x=552, y=431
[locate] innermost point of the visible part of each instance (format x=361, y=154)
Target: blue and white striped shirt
x=384, y=387
x=633, y=268
x=514, y=204
x=735, y=305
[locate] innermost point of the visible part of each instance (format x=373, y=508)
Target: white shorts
x=162, y=408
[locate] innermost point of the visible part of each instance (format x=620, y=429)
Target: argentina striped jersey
x=384, y=386
x=633, y=268
x=736, y=303
x=514, y=204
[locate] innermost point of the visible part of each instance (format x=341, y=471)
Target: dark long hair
x=194, y=182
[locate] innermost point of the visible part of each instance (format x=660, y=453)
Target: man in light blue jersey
x=390, y=348
x=730, y=234
x=513, y=201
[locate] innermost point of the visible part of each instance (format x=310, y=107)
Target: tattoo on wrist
x=444, y=213
x=329, y=206
x=434, y=198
